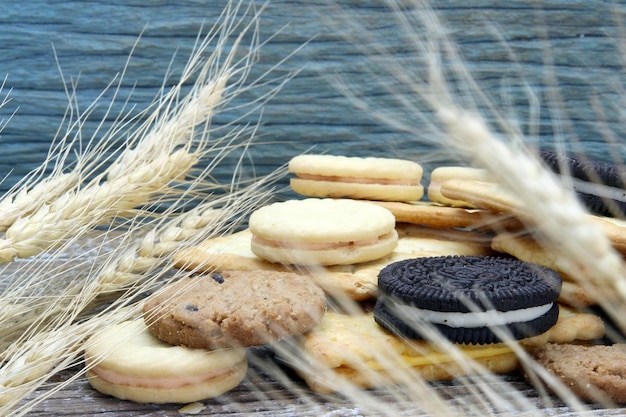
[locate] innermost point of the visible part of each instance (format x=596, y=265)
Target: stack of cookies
x=426, y=279
x=191, y=343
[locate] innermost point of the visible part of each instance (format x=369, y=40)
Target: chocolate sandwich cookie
x=467, y=298
x=592, y=172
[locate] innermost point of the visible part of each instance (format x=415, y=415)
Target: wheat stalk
x=54, y=342
x=28, y=365
x=45, y=340
x=162, y=150
x=432, y=97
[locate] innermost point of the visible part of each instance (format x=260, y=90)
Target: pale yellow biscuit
x=228, y=252
x=128, y=362
x=441, y=174
x=370, y=178
x=438, y=216
x=527, y=249
x=352, y=350
x=575, y=295
x=359, y=281
x=578, y=289
x=492, y=197
x=614, y=229
x=317, y=231
x=486, y=195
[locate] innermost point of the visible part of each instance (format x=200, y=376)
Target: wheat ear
x=431, y=97
x=139, y=174
x=132, y=266
x=27, y=366
x=162, y=150
x=53, y=342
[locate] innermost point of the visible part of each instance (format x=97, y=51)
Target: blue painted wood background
x=91, y=41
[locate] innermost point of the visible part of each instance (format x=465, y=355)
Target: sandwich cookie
x=322, y=232
x=601, y=187
x=442, y=174
x=384, y=179
x=128, y=362
x=467, y=298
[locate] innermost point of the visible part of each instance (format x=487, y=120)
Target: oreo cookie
x=604, y=201
x=467, y=298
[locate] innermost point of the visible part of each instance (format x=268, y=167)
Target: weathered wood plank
x=93, y=39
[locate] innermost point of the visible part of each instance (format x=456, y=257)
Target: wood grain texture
x=92, y=40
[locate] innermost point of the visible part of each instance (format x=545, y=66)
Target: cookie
x=322, y=232
x=234, y=308
x=358, y=282
x=444, y=217
x=352, y=350
x=333, y=176
x=441, y=174
x=468, y=299
x=614, y=229
x=492, y=197
x=484, y=195
x=228, y=252
x=594, y=373
x=579, y=289
x=601, y=186
x=128, y=362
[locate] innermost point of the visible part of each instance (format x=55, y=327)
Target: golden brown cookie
x=441, y=174
x=234, y=308
x=353, y=349
x=594, y=373
x=577, y=291
x=438, y=216
x=491, y=196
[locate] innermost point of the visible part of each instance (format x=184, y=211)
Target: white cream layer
x=472, y=319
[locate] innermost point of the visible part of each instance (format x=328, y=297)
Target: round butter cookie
x=322, y=232
x=442, y=174
x=234, y=308
x=467, y=298
x=384, y=179
x=128, y=362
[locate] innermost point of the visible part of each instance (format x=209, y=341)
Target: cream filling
x=358, y=180
x=472, y=319
x=321, y=245
x=118, y=378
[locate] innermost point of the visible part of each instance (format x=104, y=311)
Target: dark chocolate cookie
x=590, y=172
x=234, y=308
x=467, y=297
